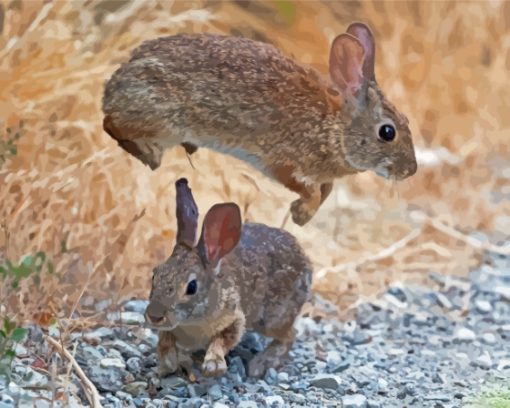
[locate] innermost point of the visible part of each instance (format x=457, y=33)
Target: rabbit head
x=182, y=287
x=378, y=137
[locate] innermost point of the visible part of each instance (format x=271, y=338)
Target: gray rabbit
x=238, y=276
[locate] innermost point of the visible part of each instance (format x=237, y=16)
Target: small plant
x=11, y=274
x=8, y=146
x=28, y=266
x=10, y=335
x=497, y=396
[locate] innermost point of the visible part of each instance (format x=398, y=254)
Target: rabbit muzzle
x=158, y=317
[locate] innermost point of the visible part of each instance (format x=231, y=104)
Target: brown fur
x=261, y=285
x=247, y=99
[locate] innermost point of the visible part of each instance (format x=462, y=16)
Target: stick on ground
x=89, y=388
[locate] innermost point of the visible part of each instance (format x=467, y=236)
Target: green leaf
x=18, y=334
x=2, y=334
x=8, y=326
x=13, y=150
x=15, y=284
x=40, y=257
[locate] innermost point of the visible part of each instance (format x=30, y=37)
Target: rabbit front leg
x=312, y=194
x=214, y=360
x=170, y=357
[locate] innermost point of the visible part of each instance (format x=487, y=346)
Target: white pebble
x=483, y=306
x=489, y=338
x=354, y=401
x=274, y=399
x=465, y=334
x=112, y=362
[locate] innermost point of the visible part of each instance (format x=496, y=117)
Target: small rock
x=483, y=361
x=483, y=306
x=271, y=376
x=354, y=401
x=465, y=334
x=357, y=338
x=283, y=377
x=127, y=350
x=373, y=404
x=132, y=318
x=489, y=338
x=123, y=395
x=99, y=333
x=134, y=365
x=503, y=364
x=247, y=404
x=127, y=317
x=215, y=392
x=112, y=362
x=137, y=306
x=503, y=291
x=383, y=385
x=326, y=381
x=437, y=397
x=20, y=350
x=333, y=358
x=274, y=401
x=106, y=379
x=443, y=301
x=92, y=353
x=219, y=405
x=135, y=388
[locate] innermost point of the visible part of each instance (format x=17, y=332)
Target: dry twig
x=89, y=388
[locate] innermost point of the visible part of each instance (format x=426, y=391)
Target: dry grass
x=445, y=64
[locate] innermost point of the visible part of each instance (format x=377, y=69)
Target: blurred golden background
x=67, y=189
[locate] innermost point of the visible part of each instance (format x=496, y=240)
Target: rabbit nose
x=154, y=313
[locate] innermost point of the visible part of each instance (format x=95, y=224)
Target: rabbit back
x=213, y=91
x=273, y=275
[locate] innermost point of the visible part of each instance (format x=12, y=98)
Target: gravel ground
x=414, y=346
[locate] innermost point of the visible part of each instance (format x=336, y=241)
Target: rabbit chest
x=198, y=335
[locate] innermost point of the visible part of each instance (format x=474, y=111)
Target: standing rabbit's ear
x=346, y=62
x=186, y=212
x=365, y=37
x=221, y=232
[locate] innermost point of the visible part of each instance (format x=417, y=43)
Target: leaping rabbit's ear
x=221, y=232
x=363, y=33
x=186, y=212
x=346, y=63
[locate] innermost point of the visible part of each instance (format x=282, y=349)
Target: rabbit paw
x=214, y=367
x=301, y=213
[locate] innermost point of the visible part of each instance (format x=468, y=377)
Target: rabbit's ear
x=186, y=212
x=363, y=33
x=221, y=232
x=346, y=63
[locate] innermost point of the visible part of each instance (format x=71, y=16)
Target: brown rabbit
x=247, y=99
x=236, y=277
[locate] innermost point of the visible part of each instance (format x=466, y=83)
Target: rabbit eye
x=192, y=287
x=387, y=132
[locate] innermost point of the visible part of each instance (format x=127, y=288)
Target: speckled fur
x=261, y=285
x=247, y=99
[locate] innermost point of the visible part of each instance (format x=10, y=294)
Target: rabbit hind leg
x=275, y=353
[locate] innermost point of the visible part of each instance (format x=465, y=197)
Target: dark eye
x=387, y=133
x=192, y=287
